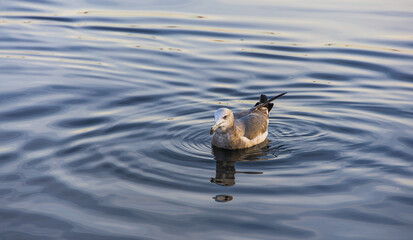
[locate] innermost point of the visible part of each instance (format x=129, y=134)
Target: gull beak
x=216, y=125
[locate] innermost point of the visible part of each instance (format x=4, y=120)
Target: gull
x=242, y=129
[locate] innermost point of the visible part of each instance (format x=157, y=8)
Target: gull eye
x=225, y=117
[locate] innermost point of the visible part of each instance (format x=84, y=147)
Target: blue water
x=106, y=106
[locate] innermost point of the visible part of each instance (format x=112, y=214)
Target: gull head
x=224, y=119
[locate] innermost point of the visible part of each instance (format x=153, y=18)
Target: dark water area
x=106, y=106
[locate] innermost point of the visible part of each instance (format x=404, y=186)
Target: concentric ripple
x=190, y=141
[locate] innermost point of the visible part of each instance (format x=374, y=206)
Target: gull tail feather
x=264, y=102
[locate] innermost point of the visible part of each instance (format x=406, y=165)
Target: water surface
x=106, y=106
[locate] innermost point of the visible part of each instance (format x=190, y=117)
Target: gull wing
x=254, y=124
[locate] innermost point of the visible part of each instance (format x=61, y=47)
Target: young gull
x=242, y=129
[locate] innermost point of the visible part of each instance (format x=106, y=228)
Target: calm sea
x=106, y=106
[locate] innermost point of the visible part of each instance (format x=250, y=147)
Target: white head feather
x=224, y=118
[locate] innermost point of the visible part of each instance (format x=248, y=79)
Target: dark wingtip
x=269, y=106
x=279, y=95
x=268, y=101
x=263, y=98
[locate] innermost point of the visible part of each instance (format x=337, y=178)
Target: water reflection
x=223, y=198
x=225, y=165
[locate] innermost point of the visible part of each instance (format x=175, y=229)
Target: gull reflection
x=225, y=165
x=222, y=198
x=225, y=162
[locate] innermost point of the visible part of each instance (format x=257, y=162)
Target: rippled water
x=106, y=106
